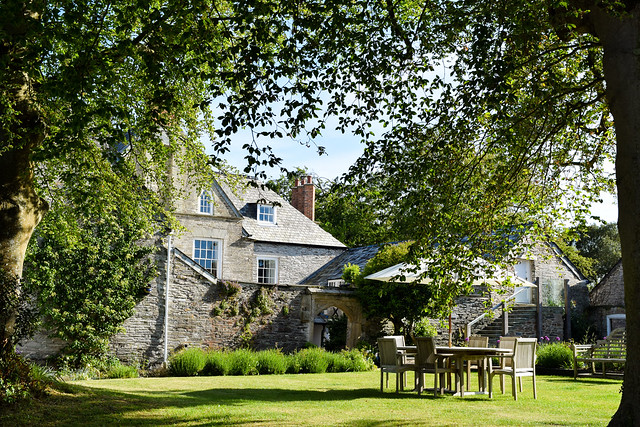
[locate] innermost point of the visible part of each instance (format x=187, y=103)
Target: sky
x=342, y=150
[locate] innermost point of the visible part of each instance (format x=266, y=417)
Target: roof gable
x=610, y=290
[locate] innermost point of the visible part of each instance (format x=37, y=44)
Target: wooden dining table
x=462, y=354
x=459, y=356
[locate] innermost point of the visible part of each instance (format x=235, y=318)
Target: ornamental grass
x=197, y=361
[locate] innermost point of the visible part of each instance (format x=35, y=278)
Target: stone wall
x=610, y=291
x=466, y=310
x=607, y=299
x=240, y=255
x=202, y=314
x=143, y=336
x=40, y=347
x=552, y=272
x=552, y=322
x=295, y=262
x=236, y=252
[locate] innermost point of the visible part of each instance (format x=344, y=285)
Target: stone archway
x=345, y=300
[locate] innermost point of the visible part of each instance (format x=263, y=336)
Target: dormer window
x=267, y=214
x=335, y=283
x=204, y=203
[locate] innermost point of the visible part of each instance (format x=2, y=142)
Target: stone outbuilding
x=607, y=310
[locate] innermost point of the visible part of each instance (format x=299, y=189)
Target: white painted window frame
x=276, y=269
x=218, y=252
x=613, y=316
x=205, y=199
x=273, y=215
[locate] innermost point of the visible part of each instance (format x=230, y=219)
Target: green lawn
x=312, y=399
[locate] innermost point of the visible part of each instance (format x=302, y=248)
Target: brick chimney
x=303, y=197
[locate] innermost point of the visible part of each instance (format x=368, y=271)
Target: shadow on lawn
x=80, y=405
x=583, y=381
x=232, y=396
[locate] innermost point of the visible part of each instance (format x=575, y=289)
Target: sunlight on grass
x=313, y=399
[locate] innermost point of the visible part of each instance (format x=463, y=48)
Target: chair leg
x=481, y=376
x=468, y=373
x=535, y=394
x=501, y=383
x=490, y=380
x=514, y=389
x=520, y=381
x=382, y=380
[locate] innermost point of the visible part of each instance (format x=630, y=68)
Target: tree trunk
x=20, y=211
x=22, y=129
x=620, y=38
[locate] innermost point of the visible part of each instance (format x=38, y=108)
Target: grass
x=351, y=399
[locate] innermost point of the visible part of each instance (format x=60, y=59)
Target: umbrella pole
x=449, y=329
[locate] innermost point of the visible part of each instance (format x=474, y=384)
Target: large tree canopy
x=594, y=249
x=495, y=111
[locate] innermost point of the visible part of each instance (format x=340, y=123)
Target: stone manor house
x=254, y=269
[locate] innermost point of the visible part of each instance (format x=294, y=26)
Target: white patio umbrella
x=397, y=272
x=411, y=275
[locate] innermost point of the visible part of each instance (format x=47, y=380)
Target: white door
x=523, y=271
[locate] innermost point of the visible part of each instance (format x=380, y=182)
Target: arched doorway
x=343, y=303
x=330, y=328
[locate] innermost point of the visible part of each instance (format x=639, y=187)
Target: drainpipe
x=166, y=301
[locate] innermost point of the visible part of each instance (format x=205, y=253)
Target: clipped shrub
x=121, y=371
x=271, y=362
x=349, y=361
x=243, y=362
x=357, y=361
x=313, y=360
x=217, y=363
x=293, y=364
x=555, y=355
x=195, y=361
x=337, y=363
x=187, y=363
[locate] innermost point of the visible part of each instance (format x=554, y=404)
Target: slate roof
x=333, y=269
x=291, y=226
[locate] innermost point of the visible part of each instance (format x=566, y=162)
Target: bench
x=613, y=349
